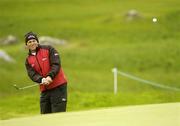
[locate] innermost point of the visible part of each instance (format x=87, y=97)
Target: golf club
x=22, y=88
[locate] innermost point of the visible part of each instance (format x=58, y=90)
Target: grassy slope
x=99, y=38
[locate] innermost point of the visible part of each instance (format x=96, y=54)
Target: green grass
x=149, y=115
x=98, y=39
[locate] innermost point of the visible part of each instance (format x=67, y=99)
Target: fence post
x=115, y=71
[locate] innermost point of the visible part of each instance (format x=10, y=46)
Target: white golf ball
x=154, y=19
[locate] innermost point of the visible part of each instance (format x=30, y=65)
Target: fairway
x=143, y=115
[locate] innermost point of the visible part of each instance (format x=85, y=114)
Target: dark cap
x=29, y=36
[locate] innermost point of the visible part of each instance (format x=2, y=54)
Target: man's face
x=32, y=44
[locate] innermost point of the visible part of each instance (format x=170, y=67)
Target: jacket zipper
x=39, y=65
x=40, y=69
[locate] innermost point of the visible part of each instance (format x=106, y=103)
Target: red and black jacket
x=45, y=63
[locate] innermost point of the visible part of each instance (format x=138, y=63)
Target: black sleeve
x=33, y=75
x=55, y=62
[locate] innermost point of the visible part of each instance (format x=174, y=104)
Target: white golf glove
x=44, y=81
x=48, y=78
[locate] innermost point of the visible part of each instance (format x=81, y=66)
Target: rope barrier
x=148, y=82
x=163, y=86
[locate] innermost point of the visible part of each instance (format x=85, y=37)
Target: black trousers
x=54, y=100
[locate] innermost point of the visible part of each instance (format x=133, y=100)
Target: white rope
x=148, y=82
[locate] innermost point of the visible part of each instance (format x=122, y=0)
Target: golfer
x=43, y=66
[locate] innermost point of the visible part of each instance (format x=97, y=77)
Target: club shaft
x=28, y=86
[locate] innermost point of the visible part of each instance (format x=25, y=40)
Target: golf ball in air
x=154, y=19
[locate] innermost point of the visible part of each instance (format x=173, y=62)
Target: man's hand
x=44, y=81
x=49, y=80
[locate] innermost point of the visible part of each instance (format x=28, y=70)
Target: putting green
x=143, y=115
